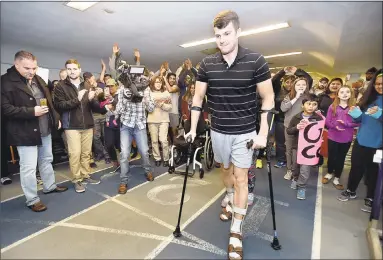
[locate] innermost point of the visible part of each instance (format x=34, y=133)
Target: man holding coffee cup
x=27, y=105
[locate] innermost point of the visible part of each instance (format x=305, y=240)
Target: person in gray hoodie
x=291, y=106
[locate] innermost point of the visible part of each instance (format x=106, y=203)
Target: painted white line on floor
x=202, y=244
x=39, y=187
x=21, y=241
x=113, y=231
x=140, y=212
x=143, y=235
x=264, y=236
x=317, y=233
x=165, y=243
x=25, y=239
x=285, y=204
x=39, y=222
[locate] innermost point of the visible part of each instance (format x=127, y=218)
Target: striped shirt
x=231, y=91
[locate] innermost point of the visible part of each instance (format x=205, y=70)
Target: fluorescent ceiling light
x=244, y=33
x=81, y=6
x=283, y=54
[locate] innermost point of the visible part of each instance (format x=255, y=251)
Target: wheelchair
x=202, y=155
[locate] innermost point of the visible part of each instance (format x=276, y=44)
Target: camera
x=133, y=79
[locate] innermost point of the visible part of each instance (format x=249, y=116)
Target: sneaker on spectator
x=301, y=194
x=288, y=175
x=280, y=164
x=5, y=181
x=367, y=205
x=93, y=165
x=259, y=164
x=293, y=184
x=39, y=180
x=347, y=195
x=98, y=157
x=79, y=187
x=90, y=180
x=250, y=199
x=108, y=161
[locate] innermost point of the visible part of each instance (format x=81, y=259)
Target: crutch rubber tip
x=275, y=244
x=177, y=232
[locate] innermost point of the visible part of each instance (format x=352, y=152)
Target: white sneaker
x=328, y=176
x=288, y=175
x=250, y=199
x=293, y=184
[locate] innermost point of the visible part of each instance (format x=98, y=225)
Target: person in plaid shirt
x=133, y=126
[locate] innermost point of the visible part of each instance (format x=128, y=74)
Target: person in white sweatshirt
x=158, y=120
x=292, y=105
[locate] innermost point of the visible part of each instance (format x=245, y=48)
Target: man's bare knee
x=241, y=178
x=227, y=171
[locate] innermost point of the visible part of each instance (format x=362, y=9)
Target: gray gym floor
x=102, y=224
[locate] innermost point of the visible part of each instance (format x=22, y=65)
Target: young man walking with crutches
x=230, y=78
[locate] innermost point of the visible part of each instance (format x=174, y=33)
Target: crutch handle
x=249, y=144
x=189, y=139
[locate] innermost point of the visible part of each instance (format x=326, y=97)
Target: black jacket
x=280, y=92
x=324, y=103
x=18, y=108
x=292, y=129
x=75, y=115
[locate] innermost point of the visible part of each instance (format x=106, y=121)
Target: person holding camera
x=28, y=109
x=132, y=110
x=75, y=103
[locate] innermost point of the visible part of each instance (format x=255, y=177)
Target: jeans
x=127, y=134
x=30, y=157
x=280, y=141
x=112, y=141
x=98, y=133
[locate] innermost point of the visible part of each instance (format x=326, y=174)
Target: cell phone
x=106, y=91
x=43, y=102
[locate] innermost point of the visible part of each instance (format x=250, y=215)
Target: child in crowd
x=298, y=122
x=158, y=120
x=369, y=139
x=291, y=105
x=340, y=134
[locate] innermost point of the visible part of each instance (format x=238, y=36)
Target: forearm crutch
x=270, y=120
x=177, y=231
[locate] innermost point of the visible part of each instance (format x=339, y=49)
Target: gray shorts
x=174, y=120
x=232, y=149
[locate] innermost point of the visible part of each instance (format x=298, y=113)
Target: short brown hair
x=72, y=61
x=153, y=81
x=20, y=55
x=223, y=19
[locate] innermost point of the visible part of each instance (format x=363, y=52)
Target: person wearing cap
x=369, y=74
x=99, y=121
x=75, y=103
x=321, y=87
x=112, y=122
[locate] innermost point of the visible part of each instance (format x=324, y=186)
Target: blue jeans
x=127, y=134
x=30, y=157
